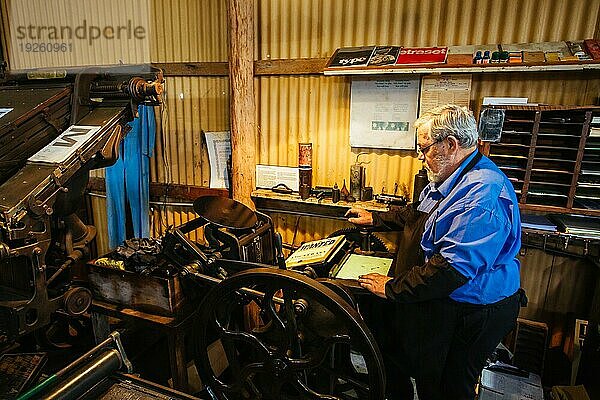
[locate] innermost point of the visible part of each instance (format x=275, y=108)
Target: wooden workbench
x=173, y=327
x=269, y=201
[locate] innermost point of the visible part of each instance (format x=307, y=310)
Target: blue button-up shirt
x=477, y=229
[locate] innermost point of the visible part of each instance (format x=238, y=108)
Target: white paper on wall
x=218, y=145
x=382, y=112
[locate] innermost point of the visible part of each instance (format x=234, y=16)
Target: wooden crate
x=151, y=294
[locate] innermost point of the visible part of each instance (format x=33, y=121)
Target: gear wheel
x=77, y=300
x=356, y=235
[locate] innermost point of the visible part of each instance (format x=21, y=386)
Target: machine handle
x=279, y=250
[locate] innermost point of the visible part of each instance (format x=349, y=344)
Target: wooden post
x=240, y=15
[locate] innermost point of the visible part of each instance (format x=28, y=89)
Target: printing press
x=279, y=333
x=101, y=373
x=259, y=330
x=55, y=128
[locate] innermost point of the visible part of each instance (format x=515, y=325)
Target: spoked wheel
x=358, y=236
x=307, y=344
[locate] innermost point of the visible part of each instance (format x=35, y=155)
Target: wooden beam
x=182, y=192
x=597, y=30
x=194, y=68
x=240, y=17
x=300, y=66
x=158, y=190
x=4, y=34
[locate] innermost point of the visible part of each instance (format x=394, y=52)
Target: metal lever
x=191, y=270
x=279, y=250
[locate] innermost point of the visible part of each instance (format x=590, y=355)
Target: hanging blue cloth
x=128, y=180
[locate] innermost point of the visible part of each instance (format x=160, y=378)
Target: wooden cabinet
x=551, y=154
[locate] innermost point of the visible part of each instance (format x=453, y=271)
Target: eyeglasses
x=423, y=150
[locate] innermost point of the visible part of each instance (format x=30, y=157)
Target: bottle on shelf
x=486, y=57
x=495, y=57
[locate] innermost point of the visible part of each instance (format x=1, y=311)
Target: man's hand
x=359, y=216
x=374, y=283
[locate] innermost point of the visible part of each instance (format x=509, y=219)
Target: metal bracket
x=52, y=121
x=80, y=156
x=567, y=238
x=116, y=337
x=55, y=179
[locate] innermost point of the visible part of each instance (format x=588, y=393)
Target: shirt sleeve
x=434, y=280
x=396, y=218
x=472, y=239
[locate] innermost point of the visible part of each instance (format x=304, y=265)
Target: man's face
x=434, y=155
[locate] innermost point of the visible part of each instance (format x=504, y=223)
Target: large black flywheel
x=306, y=342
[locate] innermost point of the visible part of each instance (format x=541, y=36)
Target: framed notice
x=382, y=112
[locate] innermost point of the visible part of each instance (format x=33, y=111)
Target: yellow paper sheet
x=357, y=264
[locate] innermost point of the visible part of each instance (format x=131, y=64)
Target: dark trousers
x=442, y=344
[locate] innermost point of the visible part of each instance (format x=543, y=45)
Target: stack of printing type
x=578, y=225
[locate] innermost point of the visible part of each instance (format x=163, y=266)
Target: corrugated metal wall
x=297, y=29
x=4, y=27
x=36, y=29
x=559, y=289
x=99, y=217
x=297, y=109
x=191, y=105
x=189, y=30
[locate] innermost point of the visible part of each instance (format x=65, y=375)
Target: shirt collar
x=445, y=187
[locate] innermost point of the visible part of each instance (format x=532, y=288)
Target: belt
x=520, y=294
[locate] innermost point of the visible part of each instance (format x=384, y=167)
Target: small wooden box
x=151, y=294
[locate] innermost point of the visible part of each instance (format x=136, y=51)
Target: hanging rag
x=127, y=181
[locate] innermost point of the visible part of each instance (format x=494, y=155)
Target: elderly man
x=453, y=290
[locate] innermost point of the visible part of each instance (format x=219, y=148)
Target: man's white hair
x=451, y=120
